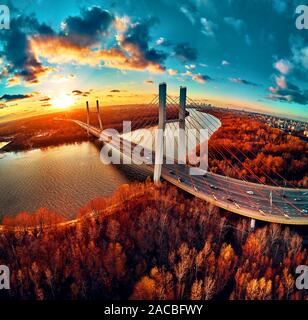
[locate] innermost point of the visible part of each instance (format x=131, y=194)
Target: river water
x=61, y=179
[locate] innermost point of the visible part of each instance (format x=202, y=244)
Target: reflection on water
x=60, y=178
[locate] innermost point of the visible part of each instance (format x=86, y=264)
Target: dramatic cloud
x=14, y=97
x=22, y=63
x=185, y=53
x=87, y=29
x=136, y=43
x=131, y=53
x=288, y=92
x=242, y=81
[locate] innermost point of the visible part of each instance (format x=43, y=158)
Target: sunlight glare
x=62, y=102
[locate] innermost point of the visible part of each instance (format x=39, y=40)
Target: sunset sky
x=238, y=53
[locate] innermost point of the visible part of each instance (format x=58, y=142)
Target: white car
x=287, y=216
x=215, y=198
x=196, y=189
x=237, y=205
x=262, y=212
x=250, y=192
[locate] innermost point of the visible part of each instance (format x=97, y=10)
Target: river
x=62, y=179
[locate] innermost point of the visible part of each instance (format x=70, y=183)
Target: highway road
x=261, y=202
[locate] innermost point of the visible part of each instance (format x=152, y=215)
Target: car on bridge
x=297, y=199
x=262, y=212
x=214, y=187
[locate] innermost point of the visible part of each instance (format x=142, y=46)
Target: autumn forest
x=149, y=242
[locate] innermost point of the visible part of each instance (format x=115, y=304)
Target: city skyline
x=235, y=53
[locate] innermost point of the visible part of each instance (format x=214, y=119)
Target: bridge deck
x=288, y=205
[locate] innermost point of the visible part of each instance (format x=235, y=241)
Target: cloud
x=115, y=90
x=82, y=41
x=225, y=63
x=131, y=53
x=136, y=43
x=200, y=78
x=287, y=92
x=88, y=28
x=208, y=27
x=80, y=93
x=172, y=72
x=185, y=53
x=190, y=11
x=283, y=66
x=300, y=56
x=46, y=105
x=286, y=95
x=281, y=82
x=14, y=97
x=22, y=63
x=160, y=41
x=236, y=24
x=243, y=81
x=190, y=67
x=149, y=82
x=45, y=99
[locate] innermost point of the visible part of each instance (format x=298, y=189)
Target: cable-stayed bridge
x=271, y=203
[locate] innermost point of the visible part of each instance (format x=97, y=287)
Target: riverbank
x=50, y=129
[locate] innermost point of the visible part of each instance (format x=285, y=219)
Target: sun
x=62, y=102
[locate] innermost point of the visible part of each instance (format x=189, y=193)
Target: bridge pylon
x=88, y=117
x=159, y=139
x=182, y=109
x=98, y=116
